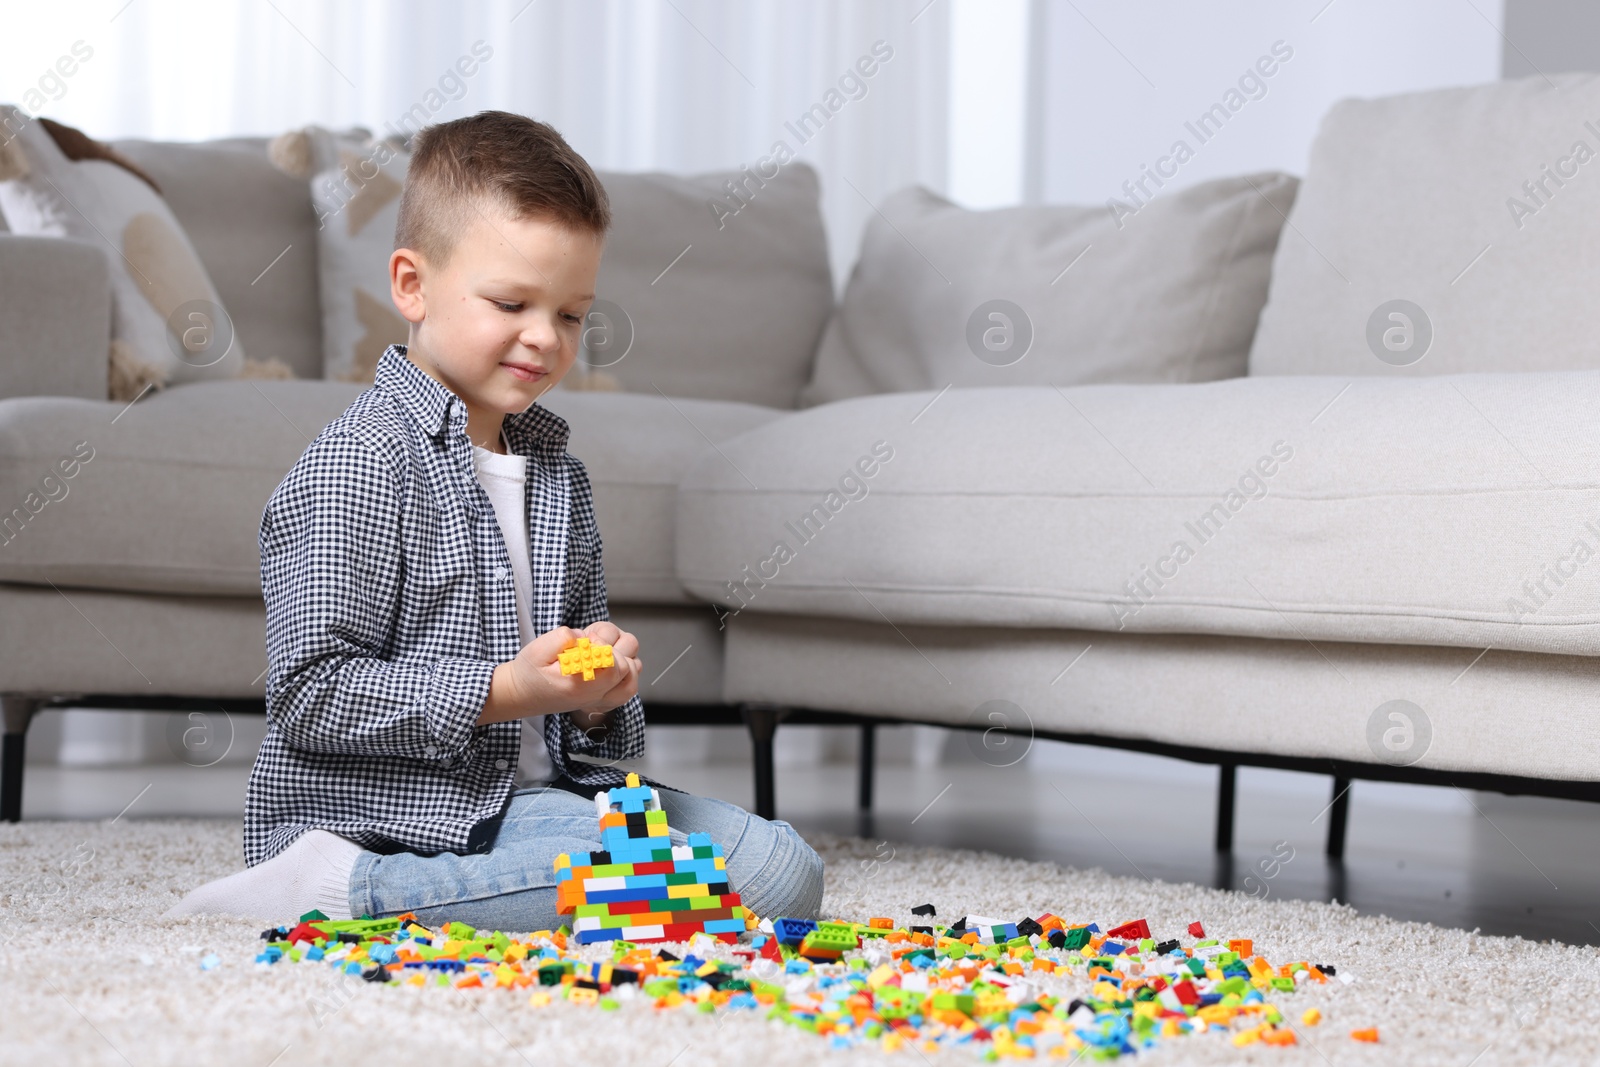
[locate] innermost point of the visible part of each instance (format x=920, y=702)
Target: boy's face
x=499, y=323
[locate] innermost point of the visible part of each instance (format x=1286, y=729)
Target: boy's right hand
x=542, y=689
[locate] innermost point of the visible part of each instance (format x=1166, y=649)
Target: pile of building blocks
x=582, y=656
x=930, y=987
x=1039, y=986
x=641, y=887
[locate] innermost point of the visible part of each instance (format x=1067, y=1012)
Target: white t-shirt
x=505, y=479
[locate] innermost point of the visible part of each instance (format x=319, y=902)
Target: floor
x=1503, y=865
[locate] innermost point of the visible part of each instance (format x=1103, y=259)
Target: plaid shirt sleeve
x=622, y=736
x=332, y=564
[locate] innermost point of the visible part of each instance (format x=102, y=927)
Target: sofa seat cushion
x=1454, y=510
x=166, y=496
x=161, y=496
x=636, y=448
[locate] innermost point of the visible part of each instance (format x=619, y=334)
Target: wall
x=1123, y=78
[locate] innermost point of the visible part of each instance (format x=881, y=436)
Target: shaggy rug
x=90, y=975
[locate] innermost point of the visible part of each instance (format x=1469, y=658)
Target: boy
x=423, y=565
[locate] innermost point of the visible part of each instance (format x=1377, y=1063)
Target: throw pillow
x=1054, y=294
x=168, y=324
x=355, y=192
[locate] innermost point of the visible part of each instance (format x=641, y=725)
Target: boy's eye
x=506, y=307
x=574, y=319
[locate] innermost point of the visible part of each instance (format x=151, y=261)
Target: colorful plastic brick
x=582, y=656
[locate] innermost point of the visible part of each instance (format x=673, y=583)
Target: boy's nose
x=539, y=335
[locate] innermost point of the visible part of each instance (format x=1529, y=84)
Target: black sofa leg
x=1227, y=775
x=1338, y=819
x=18, y=711
x=868, y=765
x=762, y=722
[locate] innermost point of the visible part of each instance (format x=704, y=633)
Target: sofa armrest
x=55, y=317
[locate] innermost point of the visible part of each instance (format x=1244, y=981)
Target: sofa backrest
x=724, y=278
x=1443, y=232
x=711, y=292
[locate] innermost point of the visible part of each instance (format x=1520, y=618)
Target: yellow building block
x=587, y=658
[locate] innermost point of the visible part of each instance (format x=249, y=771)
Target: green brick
x=1077, y=938
x=961, y=1002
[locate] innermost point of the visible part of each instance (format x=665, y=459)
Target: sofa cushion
x=255, y=231
x=355, y=182
x=636, y=448
x=1443, y=232
x=163, y=497
x=1054, y=294
x=700, y=300
x=1456, y=510
x=168, y=497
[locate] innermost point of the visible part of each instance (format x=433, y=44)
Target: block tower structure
x=641, y=887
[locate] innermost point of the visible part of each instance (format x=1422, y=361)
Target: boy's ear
x=405, y=283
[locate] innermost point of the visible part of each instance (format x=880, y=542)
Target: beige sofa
x=134, y=580
x=1385, y=522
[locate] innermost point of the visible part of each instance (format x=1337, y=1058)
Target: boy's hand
x=539, y=687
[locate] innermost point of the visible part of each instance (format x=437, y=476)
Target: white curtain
x=674, y=85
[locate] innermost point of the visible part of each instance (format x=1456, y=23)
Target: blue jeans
x=512, y=886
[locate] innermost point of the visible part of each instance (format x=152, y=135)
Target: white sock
x=312, y=873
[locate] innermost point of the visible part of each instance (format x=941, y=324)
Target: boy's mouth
x=526, y=372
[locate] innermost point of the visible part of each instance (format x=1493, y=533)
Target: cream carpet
x=89, y=975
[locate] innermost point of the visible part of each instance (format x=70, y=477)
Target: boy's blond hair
x=494, y=158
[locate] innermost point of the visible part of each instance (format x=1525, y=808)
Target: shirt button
x=500, y=764
x=431, y=751
x=500, y=574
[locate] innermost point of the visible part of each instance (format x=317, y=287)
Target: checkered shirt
x=390, y=600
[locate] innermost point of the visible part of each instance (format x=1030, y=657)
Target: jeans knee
x=809, y=877
x=791, y=886
x=804, y=876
